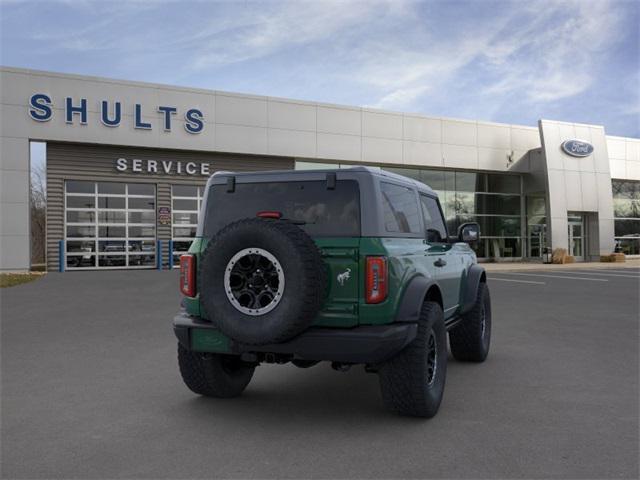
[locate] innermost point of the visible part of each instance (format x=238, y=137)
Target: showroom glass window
x=492, y=200
x=186, y=201
x=626, y=211
x=536, y=224
x=110, y=225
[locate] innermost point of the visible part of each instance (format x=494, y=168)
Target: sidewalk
x=513, y=266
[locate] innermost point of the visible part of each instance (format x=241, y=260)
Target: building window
x=186, y=201
x=492, y=200
x=536, y=225
x=110, y=225
x=626, y=211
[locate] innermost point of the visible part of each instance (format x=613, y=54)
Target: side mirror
x=469, y=232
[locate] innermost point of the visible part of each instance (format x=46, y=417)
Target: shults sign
x=111, y=113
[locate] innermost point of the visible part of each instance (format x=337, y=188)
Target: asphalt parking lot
x=90, y=389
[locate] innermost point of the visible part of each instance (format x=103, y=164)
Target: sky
x=502, y=61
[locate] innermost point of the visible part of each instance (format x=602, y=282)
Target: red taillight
x=188, y=275
x=269, y=214
x=376, y=280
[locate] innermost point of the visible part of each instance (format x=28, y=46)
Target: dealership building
x=127, y=162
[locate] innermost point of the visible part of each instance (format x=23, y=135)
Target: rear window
x=325, y=213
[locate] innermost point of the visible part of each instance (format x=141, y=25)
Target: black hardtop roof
x=292, y=175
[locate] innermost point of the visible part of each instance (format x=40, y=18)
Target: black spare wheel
x=261, y=281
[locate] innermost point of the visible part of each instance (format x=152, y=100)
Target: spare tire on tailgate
x=261, y=281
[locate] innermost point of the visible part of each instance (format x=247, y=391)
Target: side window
x=400, y=208
x=434, y=224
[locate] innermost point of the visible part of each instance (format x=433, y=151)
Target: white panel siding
x=234, y=110
x=339, y=120
x=14, y=252
x=12, y=186
x=589, y=189
x=524, y=138
x=235, y=138
x=292, y=116
x=455, y=132
x=633, y=170
x=339, y=147
x=492, y=158
x=292, y=142
x=422, y=154
x=618, y=169
x=381, y=150
x=573, y=190
x=617, y=148
x=381, y=125
x=494, y=136
x=633, y=150
x=456, y=156
x=420, y=129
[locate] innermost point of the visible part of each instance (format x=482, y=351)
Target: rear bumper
x=364, y=344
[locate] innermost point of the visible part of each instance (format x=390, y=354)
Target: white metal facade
x=247, y=124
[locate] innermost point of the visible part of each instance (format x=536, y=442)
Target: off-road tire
x=304, y=363
x=404, y=380
x=471, y=338
x=214, y=375
x=304, y=271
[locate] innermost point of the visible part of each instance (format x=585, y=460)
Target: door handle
x=439, y=263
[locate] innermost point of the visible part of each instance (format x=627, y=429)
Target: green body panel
x=345, y=259
x=207, y=340
x=342, y=258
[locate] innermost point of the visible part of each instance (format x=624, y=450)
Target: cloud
x=555, y=59
x=491, y=59
x=543, y=52
x=259, y=31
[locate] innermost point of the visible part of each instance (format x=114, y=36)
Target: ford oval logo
x=577, y=148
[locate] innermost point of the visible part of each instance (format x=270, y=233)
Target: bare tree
x=38, y=207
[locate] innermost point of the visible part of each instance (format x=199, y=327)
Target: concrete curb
x=513, y=266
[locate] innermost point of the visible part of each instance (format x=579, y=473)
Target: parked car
x=352, y=266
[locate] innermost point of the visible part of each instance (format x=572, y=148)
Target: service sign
x=162, y=167
x=577, y=148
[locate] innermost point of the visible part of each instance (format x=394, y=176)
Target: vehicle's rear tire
x=471, y=338
x=412, y=382
x=214, y=375
x=304, y=363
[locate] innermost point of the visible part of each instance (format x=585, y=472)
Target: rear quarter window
x=322, y=212
x=400, y=209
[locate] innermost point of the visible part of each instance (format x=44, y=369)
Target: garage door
x=186, y=201
x=110, y=225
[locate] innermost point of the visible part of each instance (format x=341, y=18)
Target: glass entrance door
x=575, y=224
x=537, y=234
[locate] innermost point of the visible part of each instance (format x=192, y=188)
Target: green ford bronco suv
x=351, y=266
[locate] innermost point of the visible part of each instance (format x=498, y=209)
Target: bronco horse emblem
x=344, y=276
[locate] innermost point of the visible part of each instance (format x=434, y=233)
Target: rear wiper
x=298, y=222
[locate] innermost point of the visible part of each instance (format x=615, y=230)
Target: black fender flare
x=413, y=298
x=475, y=275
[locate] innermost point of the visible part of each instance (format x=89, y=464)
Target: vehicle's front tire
x=412, y=382
x=471, y=338
x=214, y=375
